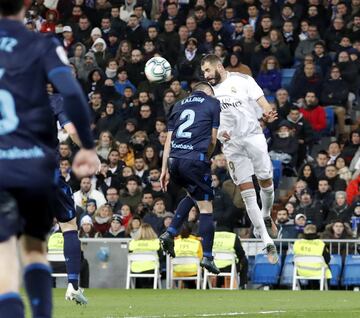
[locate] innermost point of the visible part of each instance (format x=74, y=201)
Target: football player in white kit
x=244, y=144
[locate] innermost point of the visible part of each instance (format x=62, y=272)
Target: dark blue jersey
x=191, y=122
x=26, y=120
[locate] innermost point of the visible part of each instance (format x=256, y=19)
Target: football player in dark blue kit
x=64, y=210
x=191, y=139
x=27, y=159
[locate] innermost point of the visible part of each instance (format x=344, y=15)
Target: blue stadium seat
x=287, y=271
x=330, y=121
x=251, y=262
x=351, y=274
x=335, y=267
x=265, y=273
x=277, y=172
x=286, y=77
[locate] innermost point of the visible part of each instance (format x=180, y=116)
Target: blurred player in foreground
x=27, y=160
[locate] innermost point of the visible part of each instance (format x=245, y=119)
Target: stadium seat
x=223, y=256
x=330, y=121
x=309, y=261
x=351, y=274
x=251, y=263
x=277, y=172
x=56, y=258
x=185, y=260
x=287, y=271
x=265, y=273
x=143, y=257
x=335, y=267
x=287, y=75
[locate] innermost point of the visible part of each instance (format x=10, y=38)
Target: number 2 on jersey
x=189, y=115
x=9, y=121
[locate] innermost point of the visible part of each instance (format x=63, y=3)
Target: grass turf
x=111, y=303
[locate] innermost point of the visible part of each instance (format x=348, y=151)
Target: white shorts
x=247, y=156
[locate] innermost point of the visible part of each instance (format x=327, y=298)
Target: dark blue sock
x=72, y=254
x=38, y=284
x=206, y=231
x=11, y=305
x=181, y=214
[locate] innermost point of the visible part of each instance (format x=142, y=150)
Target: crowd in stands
x=108, y=43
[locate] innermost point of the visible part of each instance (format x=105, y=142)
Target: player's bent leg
x=249, y=196
x=37, y=276
x=267, y=201
x=206, y=231
x=72, y=254
x=181, y=214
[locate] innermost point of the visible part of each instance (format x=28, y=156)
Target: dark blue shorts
x=64, y=207
x=194, y=176
x=26, y=211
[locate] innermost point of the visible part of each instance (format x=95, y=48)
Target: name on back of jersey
x=192, y=99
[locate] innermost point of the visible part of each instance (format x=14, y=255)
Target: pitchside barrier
x=108, y=257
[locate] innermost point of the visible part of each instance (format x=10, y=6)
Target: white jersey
x=238, y=96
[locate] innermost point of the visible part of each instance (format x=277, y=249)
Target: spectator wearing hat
x=68, y=39
x=88, y=66
x=189, y=61
x=99, y=48
x=339, y=210
x=78, y=55
x=307, y=207
x=311, y=245
x=113, y=42
x=89, y=210
x=300, y=223
x=87, y=227
x=49, y=25
x=117, y=229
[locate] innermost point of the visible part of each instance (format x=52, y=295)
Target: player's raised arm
x=86, y=161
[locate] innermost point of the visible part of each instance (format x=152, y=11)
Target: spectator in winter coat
x=335, y=95
x=307, y=46
x=350, y=71
x=335, y=182
x=269, y=77
x=284, y=146
x=235, y=64
x=305, y=80
x=282, y=102
x=324, y=197
x=314, y=114
x=339, y=210
x=123, y=81
x=261, y=51
x=321, y=58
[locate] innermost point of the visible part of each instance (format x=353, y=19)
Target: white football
x=157, y=69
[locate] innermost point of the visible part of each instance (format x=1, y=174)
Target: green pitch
x=110, y=303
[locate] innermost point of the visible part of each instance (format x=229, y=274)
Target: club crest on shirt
x=233, y=90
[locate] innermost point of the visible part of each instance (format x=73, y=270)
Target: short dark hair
x=211, y=58
x=201, y=86
x=11, y=7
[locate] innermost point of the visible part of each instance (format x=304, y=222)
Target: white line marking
x=228, y=314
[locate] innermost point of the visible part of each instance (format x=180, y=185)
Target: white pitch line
x=229, y=314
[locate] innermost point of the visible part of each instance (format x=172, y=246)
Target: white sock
x=267, y=200
x=253, y=210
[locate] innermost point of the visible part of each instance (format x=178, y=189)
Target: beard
x=216, y=79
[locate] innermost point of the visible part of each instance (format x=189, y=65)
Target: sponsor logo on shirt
x=227, y=102
x=181, y=146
